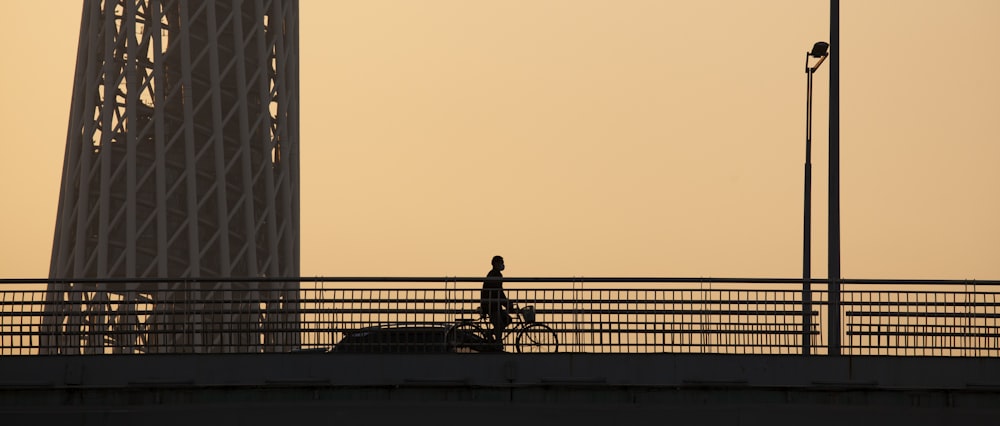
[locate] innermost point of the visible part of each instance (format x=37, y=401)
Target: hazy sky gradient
x=594, y=138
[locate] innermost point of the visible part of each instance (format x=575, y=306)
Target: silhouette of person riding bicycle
x=493, y=300
x=496, y=308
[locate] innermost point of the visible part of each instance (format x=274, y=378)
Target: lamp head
x=820, y=49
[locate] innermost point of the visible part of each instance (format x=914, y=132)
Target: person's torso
x=492, y=288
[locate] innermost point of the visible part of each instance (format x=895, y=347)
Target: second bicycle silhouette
x=527, y=335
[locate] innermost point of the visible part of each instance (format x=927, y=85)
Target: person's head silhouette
x=497, y=263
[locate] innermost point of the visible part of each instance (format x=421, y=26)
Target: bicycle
x=529, y=336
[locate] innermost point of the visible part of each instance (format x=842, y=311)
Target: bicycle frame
x=527, y=336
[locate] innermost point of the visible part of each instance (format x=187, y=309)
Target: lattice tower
x=181, y=162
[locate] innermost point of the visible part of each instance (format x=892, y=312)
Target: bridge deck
x=579, y=388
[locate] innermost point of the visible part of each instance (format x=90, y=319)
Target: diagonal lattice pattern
x=181, y=161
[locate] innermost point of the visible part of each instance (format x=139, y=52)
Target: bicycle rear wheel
x=465, y=337
x=537, y=338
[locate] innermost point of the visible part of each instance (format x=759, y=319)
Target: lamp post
x=833, y=241
x=819, y=51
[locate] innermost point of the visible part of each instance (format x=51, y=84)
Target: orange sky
x=594, y=138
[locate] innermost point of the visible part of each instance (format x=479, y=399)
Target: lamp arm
x=820, y=62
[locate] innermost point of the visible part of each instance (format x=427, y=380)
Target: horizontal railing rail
x=439, y=314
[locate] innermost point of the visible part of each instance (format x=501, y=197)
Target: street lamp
x=819, y=51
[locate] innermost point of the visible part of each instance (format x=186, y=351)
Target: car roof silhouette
x=407, y=338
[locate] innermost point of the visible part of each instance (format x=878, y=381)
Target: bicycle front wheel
x=537, y=338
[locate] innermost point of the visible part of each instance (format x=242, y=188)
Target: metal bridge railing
x=921, y=318
x=417, y=314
